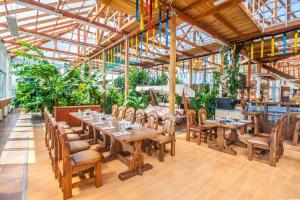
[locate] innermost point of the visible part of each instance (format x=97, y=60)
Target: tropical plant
x=40, y=84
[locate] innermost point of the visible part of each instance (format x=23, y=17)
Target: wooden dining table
x=118, y=138
x=221, y=143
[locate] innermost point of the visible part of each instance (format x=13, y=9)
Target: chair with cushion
x=129, y=115
x=75, y=145
x=114, y=110
x=140, y=116
x=167, y=136
x=121, y=112
x=152, y=120
x=77, y=164
x=271, y=145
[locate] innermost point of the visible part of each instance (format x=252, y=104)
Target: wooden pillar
x=249, y=74
x=191, y=73
x=259, y=65
x=126, y=68
x=172, y=66
x=104, y=72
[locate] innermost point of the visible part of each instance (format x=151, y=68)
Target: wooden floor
x=196, y=172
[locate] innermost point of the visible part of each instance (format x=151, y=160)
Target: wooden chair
x=129, y=115
x=121, y=112
x=208, y=130
x=167, y=136
x=140, y=117
x=272, y=144
x=114, y=110
x=75, y=146
x=77, y=164
x=296, y=133
x=152, y=120
x=191, y=123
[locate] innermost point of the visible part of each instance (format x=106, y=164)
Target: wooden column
x=172, y=66
x=104, y=72
x=249, y=74
x=126, y=68
x=191, y=73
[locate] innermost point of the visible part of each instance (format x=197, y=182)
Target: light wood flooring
x=196, y=172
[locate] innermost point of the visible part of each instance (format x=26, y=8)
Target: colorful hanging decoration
x=262, y=48
x=167, y=27
x=284, y=44
x=160, y=22
x=151, y=23
x=137, y=10
x=242, y=54
x=147, y=42
x=272, y=46
x=141, y=43
x=156, y=4
x=131, y=46
x=136, y=46
x=142, y=25
x=251, y=51
x=296, y=42
x=117, y=52
x=147, y=7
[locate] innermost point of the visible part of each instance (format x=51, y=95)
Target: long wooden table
x=220, y=144
x=130, y=138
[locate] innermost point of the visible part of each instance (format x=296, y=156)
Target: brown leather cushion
x=80, y=145
x=86, y=157
x=67, y=130
x=258, y=140
x=161, y=139
x=65, y=126
x=76, y=128
x=73, y=137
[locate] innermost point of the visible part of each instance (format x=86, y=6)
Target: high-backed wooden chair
x=114, y=110
x=140, y=116
x=209, y=130
x=167, y=136
x=78, y=163
x=272, y=144
x=191, y=123
x=121, y=112
x=129, y=115
x=55, y=153
x=152, y=120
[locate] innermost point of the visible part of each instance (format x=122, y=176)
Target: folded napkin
x=98, y=123
x=108, y=127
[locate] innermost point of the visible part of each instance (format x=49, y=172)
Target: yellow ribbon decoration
x=296, y=42
x=262, y=48
x=251, y=51
x=142, y=25
x=136, y=46
x=272, y=46
x=147, y=41
x=155, y=4
x=131, y=46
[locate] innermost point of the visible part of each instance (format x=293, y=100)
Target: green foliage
x=216, y=82
x=41, y=85
x=231, y=61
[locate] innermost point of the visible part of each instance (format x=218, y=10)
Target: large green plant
x=39, y=83
x=231, y=62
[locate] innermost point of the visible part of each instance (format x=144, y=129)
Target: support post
x=191, y=73
x=104, y=72
x=126, y=68
x=172, y=66
x=249, y=74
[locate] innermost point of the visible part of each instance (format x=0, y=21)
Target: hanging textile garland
x=147, y=7
x=131, y=44
x=156, y=4
x=167, y=28
x=262, y=48
x=151, y=25
x=142, y=25
x=141, y=43
x=137, y=10
x=136, y=46
x=284, y=44
x=117, y=52
x=147, y=42
x=160, y=22
x=272, y=46
x=251, y=51
x=296, y=42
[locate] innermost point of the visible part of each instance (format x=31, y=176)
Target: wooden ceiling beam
x=67, y=14
x=226, y=23
x=194, y=5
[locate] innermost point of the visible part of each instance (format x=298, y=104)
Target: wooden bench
x=4, y=107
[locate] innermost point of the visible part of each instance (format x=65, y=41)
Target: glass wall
x=5, y=77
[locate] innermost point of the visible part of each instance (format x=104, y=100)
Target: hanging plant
x=231, y=63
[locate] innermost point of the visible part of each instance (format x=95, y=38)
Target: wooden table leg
x=136, y=164
x=115, y=149
x=256, y=119
x=221, y=143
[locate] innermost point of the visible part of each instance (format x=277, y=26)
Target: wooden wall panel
x=62, y=113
